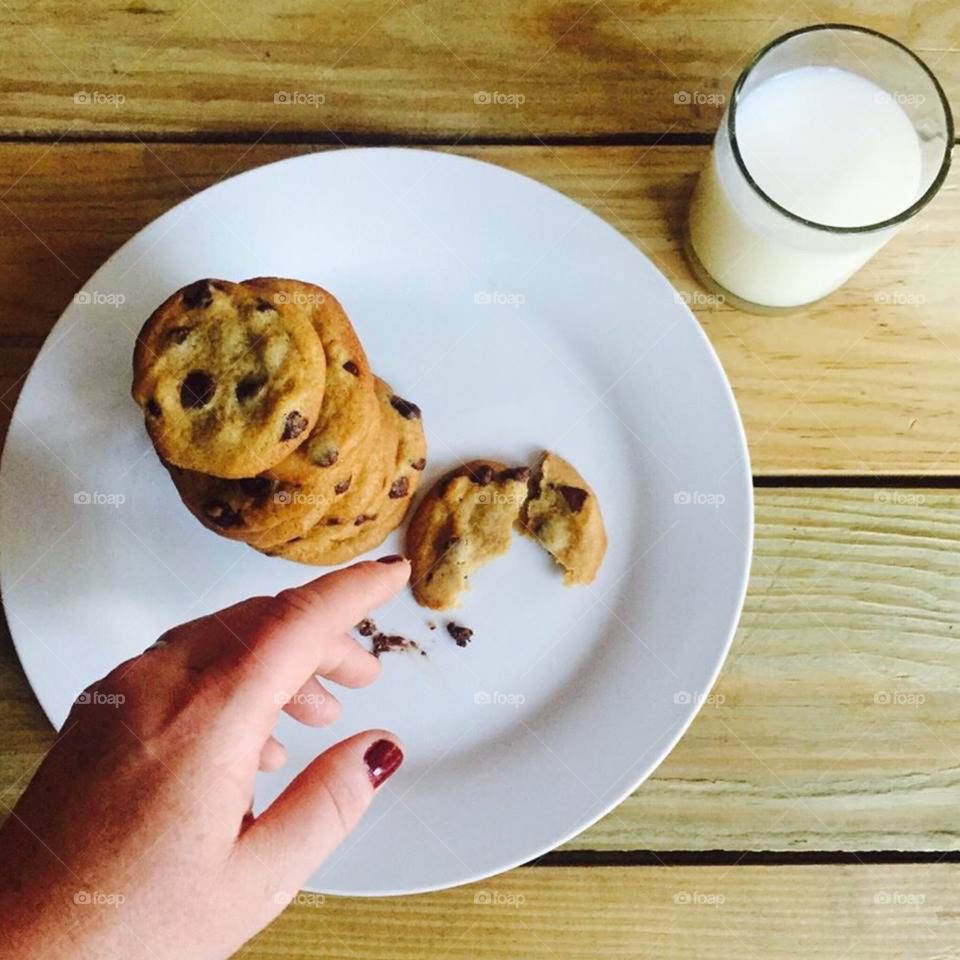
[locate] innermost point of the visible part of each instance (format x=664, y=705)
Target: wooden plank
x=835, y=724
x=723, y=913
x=864, y=382
x=550, y=68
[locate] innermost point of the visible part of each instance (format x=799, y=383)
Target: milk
x=829, y=146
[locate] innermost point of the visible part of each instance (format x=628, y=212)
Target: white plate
x=517, y=320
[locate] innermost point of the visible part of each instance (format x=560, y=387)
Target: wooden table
x=812, y=807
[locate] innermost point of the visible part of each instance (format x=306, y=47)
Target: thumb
x=303, y=826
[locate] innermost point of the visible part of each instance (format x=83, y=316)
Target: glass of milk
x=834, y=137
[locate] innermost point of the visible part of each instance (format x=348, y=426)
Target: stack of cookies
x=260, y=401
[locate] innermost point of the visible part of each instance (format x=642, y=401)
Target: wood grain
x=835, y=724
x=408, y=68
x=744, y=913
x=864, y=382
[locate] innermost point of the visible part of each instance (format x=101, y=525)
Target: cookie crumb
x=431, y=625
x=366, y=628
x=385, y=643
x=462, y=635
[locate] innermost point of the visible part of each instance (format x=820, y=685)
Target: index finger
x=303, y=631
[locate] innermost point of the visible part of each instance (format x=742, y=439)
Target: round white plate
x=518, y=321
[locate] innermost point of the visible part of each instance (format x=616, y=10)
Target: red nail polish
x=393, y=558
x=382, y=759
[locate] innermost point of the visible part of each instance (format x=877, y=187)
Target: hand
x=135, y=838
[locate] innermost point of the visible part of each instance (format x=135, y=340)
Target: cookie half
x=563, y=515
x=229, y=381
x=464, y=521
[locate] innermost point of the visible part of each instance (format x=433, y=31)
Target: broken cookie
x=562, y=514
x=462, y=523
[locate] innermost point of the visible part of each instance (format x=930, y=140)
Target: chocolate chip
x=325, y=458
x=222, y=514
x=461, y=634
x=419, y=464
x=482, y=474
x=333, y=521
x=249, y=387
x=263, y=305
x=197, y=390
x=362, y=519
x=521, y=474
x=197, y=295
x=294, y=425
x=351, y=367
x=366, y=628
x=257, y=487
x=406, y=409
x=178, y=334
x=153, y=408
x=399, y=488
x=574, y=496
x=343, y=486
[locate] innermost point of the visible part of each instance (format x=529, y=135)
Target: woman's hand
x=135, y=837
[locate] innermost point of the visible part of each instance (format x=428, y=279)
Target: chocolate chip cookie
x=563, y=515
x=285, y=501
x=464, y=521
x=229, y=381
x=355, y=525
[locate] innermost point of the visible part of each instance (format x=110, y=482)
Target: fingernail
x=382, y=759
x=393, y=558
